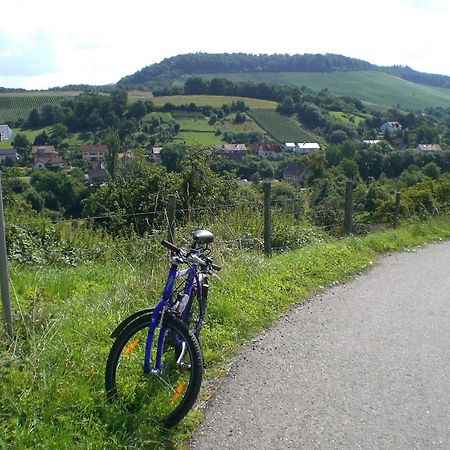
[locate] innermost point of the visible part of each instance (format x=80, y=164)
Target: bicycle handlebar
x=171, y=247
x=179, y=252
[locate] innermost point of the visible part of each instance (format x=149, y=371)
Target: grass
x=51, y=395
x=212, y=100
x=197, y=138
x=282, y=128
x=73, y=139
x=377, y=89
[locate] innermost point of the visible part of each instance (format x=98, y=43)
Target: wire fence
x=266, y=225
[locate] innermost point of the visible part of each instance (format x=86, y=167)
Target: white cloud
x=97, y=42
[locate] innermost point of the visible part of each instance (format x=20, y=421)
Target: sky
x=50, y=43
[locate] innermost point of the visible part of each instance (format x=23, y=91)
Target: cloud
x=26, y=56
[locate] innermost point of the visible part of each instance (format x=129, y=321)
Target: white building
x=289, y=147
x=272, y=151
x=5, y=132
x=390, y=127
x=92, y=152
x=307, y=147
x=428, y=148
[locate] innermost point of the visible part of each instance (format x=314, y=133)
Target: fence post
x=397, y=209
x=4, y=278
x=171, y=217
x=348, y=214
x=267, y=219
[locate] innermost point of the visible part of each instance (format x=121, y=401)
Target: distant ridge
x=178, y=67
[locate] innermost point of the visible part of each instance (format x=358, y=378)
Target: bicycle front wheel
x=166, y=396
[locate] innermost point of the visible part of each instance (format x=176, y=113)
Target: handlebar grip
x=216, y=267
x=171, y=247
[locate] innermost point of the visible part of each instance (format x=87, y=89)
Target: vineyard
x=18, y=106
x=281, y=128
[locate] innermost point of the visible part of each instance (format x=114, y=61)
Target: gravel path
x=363, y=365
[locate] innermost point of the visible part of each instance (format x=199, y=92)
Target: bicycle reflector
x=130, y=347
x=178, y=391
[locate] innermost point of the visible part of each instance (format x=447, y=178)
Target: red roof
x=90, y=148
x=43, y=149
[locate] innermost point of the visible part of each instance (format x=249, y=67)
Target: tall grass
x=51, y=390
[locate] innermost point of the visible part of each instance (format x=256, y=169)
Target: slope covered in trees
x=172, y=69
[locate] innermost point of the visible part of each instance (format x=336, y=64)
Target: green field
x=196, y=138
x=195, y=129
x=215, y=101
x=377, y=89
x=282, y=128
x=73, y=139
x=18, y=105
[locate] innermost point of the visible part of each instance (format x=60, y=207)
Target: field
x=377, y=89
x=282, y=128
x=73, y=139
x=51, y=394
x=195, y=129
x=17, y=106
x=212, y=100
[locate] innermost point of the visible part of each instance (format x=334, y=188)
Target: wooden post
x=397, y=209
x=4, y=277
x=267, y=219
x=348, y=215
x=171, y=217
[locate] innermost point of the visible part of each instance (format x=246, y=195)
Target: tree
x=432, y=170
x=194, y=86
x=58, y=132
x=112, y=141
x=265, y=169
x=41, y=138
x=34, y=119
x=287, y=106
x=172, y=156
x=58, y=190
x=22, y=145
x=137, y=110
x=119, y=100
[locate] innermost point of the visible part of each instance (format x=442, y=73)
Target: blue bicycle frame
x=161, y=308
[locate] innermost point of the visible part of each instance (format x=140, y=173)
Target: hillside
x=173, y=69
x=377, y=89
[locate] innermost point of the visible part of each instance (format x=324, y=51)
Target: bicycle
x=155, y=363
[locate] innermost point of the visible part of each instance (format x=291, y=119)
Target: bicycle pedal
x=184, y=365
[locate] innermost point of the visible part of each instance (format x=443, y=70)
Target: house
x=125, y=159
x=5, y=132
x=51, y=162
x=295, y=172
x=307, y=147
x=270, y=151
x=289, y=147
x=232, y=148
x=92, y=152
x=8, y=154
x=156, y=155
x=390, y=127
x=428, y=148
x=43, y=151
x=97, y=175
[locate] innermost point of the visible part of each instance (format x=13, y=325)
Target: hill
x=376, y=89
x=176, y=67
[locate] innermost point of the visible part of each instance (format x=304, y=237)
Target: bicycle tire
x=166, y=397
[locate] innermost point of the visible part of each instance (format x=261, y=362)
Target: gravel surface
x=362, y=365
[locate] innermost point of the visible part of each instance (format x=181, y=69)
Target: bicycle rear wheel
x=165, y=397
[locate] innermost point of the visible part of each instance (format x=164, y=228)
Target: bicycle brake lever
x=214, y=275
